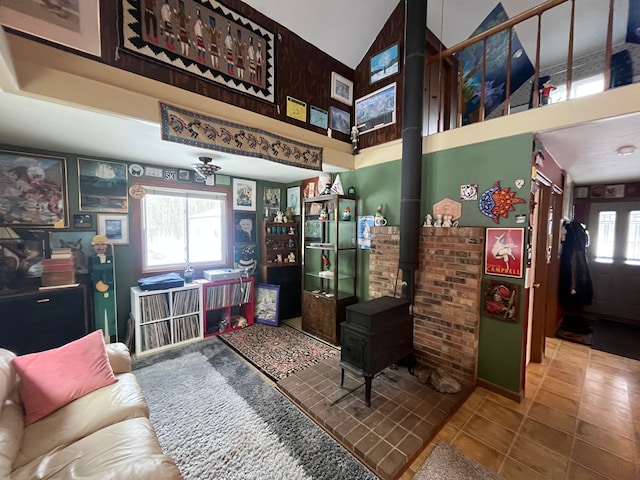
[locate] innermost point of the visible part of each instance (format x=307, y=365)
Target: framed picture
x=34, y=190
x=82, y=220
x=293, y=199
x=78, y=242
x=72, y=24
x=503, y=252
x=340, y=120
x=364, y=231
x=272, y=203
x=341, y=89
x=501, y=300
x=319, y=117
x=244, y=194
x=102, y=186
x=296, y=109
x=384, y=64
x=245, y=257
x=376, y=110
x=115, y=228
x=34, y=244
x=266, y=304
x=245, y=227
x=308, y=187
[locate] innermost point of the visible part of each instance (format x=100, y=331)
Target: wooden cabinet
x=279, y=244
x=34, y=321
x=228, y=305
x=329, y=264
x=165, y=318
x=279, y=248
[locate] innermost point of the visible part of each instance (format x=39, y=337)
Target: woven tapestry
x=182, y=126
x=204, y=38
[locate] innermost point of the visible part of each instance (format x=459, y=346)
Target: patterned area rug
x=219, y=419
x=278, y=351
x=449, y=463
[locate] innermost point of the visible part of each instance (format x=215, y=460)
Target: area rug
x=449, y=463
x=622, y=339
x=278, y=351
x=217, y=418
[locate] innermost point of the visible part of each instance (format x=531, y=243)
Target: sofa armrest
x=119, y=357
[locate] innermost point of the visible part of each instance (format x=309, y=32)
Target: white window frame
x=621, y=228
x=182, y=193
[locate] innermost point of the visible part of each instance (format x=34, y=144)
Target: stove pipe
x=414, y=62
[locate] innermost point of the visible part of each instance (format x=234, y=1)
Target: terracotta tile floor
x=580, y=418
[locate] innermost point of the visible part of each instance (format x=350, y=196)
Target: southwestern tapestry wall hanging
x=204, y=38
x=182, y=126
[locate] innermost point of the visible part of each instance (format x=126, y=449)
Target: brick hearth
x=447, y=293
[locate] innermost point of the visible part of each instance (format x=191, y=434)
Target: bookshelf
x=225, y=303
x=165, y=318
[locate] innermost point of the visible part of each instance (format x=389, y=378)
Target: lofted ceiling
x=345, y=30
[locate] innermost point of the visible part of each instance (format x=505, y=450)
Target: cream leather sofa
x=103, y=435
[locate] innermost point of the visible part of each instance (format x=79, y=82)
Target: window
x=579, y=88
x=180, y=226
x=606, y=236
x=633, y=239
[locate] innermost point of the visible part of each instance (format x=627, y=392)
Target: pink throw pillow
x=51, y=379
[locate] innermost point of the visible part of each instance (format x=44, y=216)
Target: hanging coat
x=575, y=287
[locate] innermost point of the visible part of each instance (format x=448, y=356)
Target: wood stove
x=375, y=335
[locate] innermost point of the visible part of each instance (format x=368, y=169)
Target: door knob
x=536, y=285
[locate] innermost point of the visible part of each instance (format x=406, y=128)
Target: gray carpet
x=218, y=419
x=448, y=463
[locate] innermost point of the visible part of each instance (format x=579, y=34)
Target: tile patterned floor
x=580, y=420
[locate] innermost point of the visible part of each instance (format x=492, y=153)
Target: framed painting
x=293, y=199
x=78, y=242
x=376, y=110
x=384, y=64
x=308, y=187
x=266, y=304
x=501, y=300
x=318, y=117
x=245, y=227
x=365, y=223
x=341, y=89
x=115, y=228
x=340, y=120
x=244, y=194
x=244, y=257
x=503, y=252
x=34, y=190
x=72, y=24
x=33, y=244
x=272, y=204
x=102, y=186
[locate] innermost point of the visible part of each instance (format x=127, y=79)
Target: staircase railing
x=453, y=105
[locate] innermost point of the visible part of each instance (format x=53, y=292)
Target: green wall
x=504, y=160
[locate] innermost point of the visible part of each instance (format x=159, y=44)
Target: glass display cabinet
x=329, y=264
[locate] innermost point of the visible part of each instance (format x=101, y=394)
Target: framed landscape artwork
x=102, y=186
x=34, y=190
x=376, y=110
x=340, y=120
x=115, y=228
x=384, y=64
x=266, y=304
x=341, y=89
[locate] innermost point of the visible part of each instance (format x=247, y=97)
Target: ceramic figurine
x=324, y=215
x=438, y=222
x=428, y=221
x=279, y=217
x=346, y=215
x=447, y=221
x=292, y=257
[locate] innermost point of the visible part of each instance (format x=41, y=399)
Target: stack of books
x=59, y=269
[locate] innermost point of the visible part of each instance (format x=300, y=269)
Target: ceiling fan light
x=205, y=168
x=626, y=150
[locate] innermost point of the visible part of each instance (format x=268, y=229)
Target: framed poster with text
x=503, y=252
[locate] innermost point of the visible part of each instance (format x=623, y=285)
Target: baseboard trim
x=515, y=396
